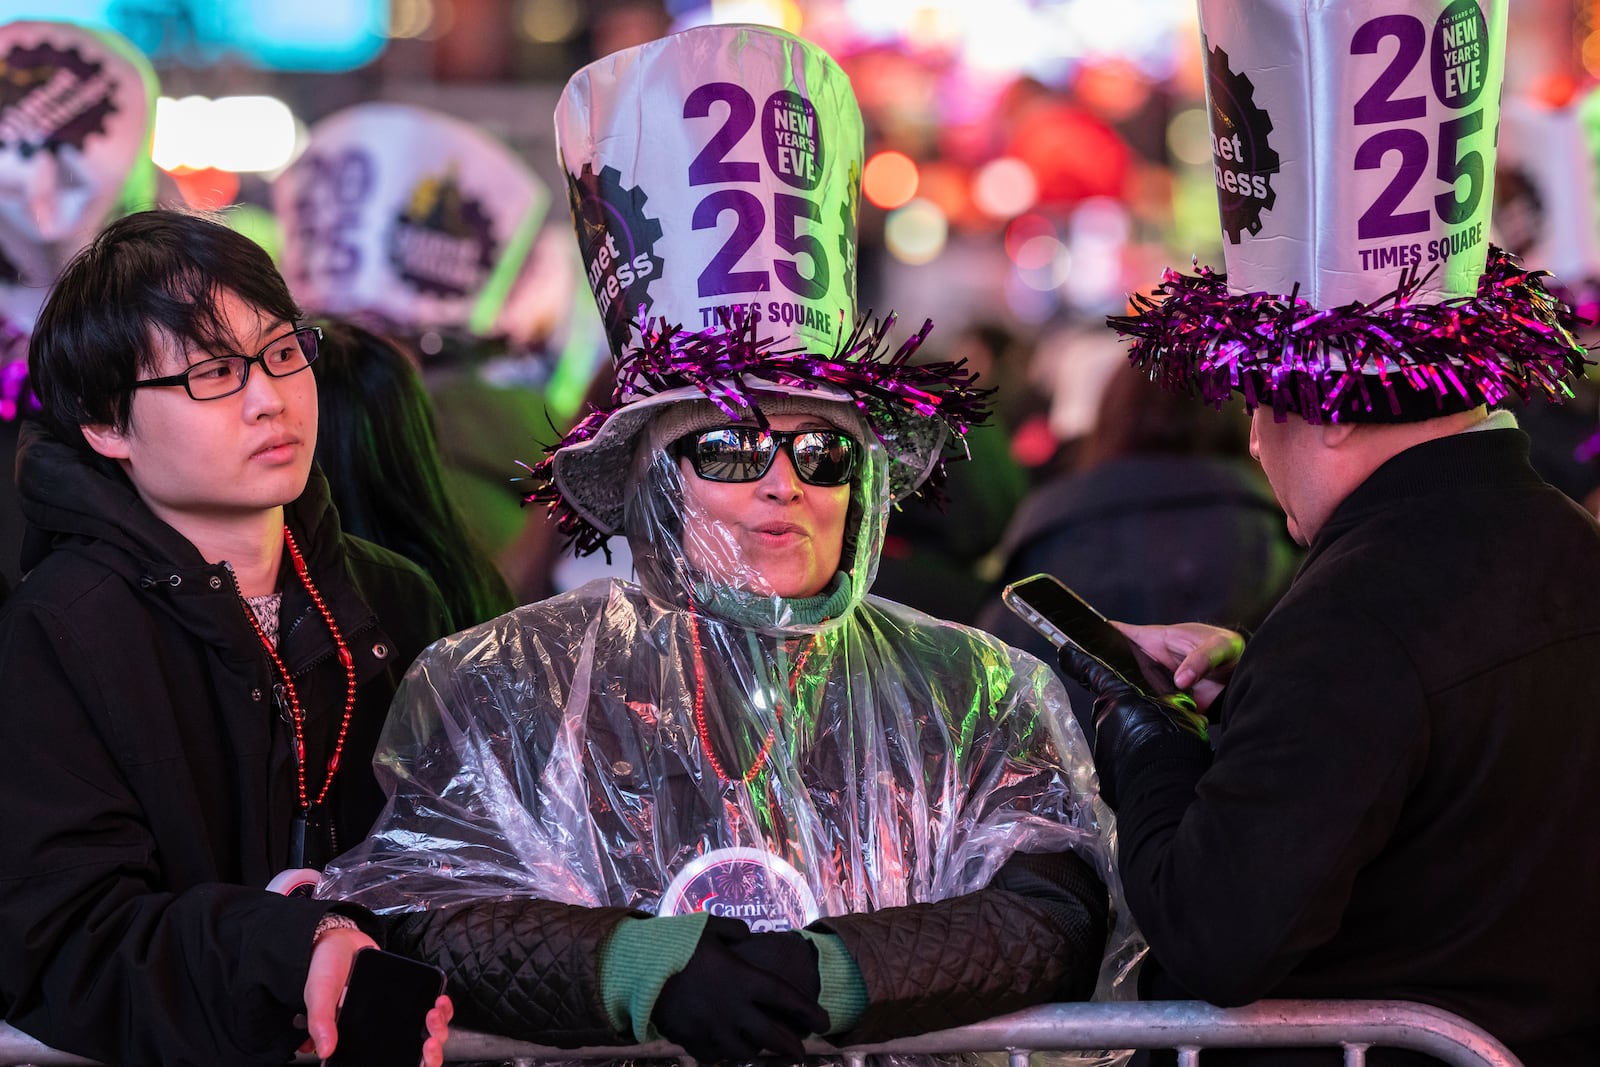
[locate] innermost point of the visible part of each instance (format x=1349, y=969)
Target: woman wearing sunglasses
x=737, y=801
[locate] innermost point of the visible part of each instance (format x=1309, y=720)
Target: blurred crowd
x=415, y=254
x=502, y=364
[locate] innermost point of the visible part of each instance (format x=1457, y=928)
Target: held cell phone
x=1066, y=618
x=382, y=1014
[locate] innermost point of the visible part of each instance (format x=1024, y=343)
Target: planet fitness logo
x=50, y=97
x=760, y=889
x=1242, y=158
x=443, y=242
x=617, y=240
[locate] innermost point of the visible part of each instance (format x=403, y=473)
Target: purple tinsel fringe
x=715, y=361
x=1513, y=338
x=1589, y=449
x=15, y=395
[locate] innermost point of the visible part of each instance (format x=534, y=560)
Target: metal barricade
x=1187, y=1026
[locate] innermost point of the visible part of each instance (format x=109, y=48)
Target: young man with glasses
x=196, y=666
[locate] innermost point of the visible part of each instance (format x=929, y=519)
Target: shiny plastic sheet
x=878, y=757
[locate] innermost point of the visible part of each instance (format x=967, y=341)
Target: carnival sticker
x=1243, y=159
x=443, y=241
x=618, y=242
x=764, y=891
x=50, y=97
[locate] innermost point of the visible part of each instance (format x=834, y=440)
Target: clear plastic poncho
x=875, y=757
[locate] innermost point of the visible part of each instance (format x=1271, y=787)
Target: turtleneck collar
x=757, y=610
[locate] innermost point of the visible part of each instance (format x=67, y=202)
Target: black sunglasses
x=745, y=454
x=213, y=379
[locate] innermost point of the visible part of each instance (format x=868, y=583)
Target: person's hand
x=786, y=954
x=1200, y=657
x=438, y=1022
x=331, y=959
x=1131, y=727
x=720, y=1007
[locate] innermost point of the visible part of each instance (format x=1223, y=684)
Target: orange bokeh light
x=206, y=189
x=889, y=179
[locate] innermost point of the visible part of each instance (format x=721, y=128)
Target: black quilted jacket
x=530, y=969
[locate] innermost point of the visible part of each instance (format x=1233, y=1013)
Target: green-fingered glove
x=1130, y=727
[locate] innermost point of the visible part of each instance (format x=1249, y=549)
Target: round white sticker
x=765, y=891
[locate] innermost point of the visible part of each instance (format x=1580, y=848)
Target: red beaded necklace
x=297, y=713
x=700, y=704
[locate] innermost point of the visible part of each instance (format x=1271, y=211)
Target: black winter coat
x=1406, y=773
x=152, y=786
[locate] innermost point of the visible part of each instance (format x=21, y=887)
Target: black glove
x=723, y=1007
x=786, y=954
x=1130, y=727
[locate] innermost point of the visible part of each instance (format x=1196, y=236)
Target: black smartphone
x=382, y=1014
x=1066, y=618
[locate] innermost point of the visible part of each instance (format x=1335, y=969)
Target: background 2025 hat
x=1354, y=147
x=77, y=108
x=409, y=215
x=714, y=179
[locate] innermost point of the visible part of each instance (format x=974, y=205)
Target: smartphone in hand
x=382, y=1020
x=1066, y=618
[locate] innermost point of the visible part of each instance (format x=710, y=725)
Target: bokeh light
x=549, y=21
x=1038, y=255
x=889, y=179
x=1004, y=187
x=916, y=233
x=1024, y=228
x=949, y=187
x=410, y=18
x=784, y=14
x=1098, y=233
x=240, y=134
x=1591, y=54
x=1189, y=137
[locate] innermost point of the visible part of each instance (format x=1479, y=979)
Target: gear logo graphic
x=617, y=240
x=50, y=97
x=1243, y=158
x=443, y=242
x=847, y=227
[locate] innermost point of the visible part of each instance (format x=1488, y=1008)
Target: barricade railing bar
x=1187, y=1026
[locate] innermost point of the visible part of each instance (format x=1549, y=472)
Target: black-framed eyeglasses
x=745, y=454
x=213, y=379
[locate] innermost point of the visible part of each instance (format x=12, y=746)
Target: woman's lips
x=779, y=531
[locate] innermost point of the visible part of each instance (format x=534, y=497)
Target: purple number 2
x=1378, y=105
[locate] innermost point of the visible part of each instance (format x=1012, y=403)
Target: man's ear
x=1335, y=434
x=106, y=439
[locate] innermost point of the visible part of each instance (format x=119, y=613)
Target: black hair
x=377, y=446
x=147, y=276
